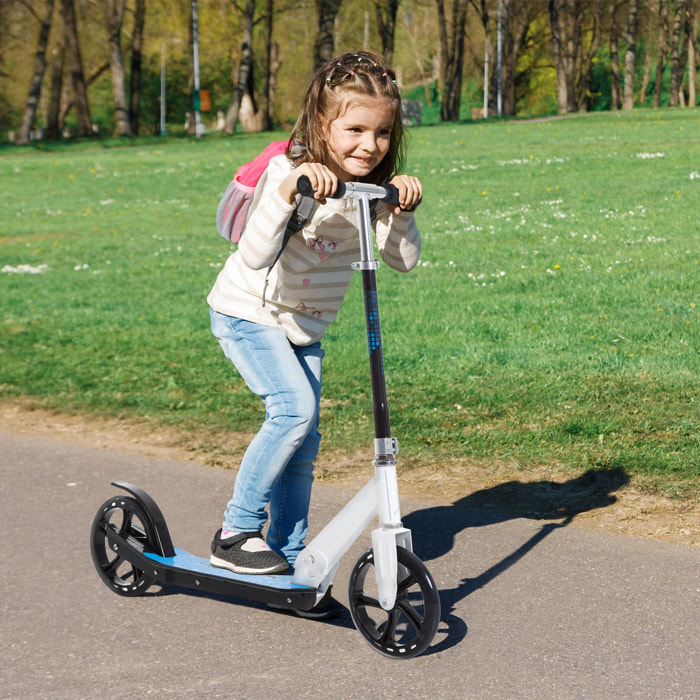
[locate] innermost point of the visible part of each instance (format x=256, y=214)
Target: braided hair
x=360, y=74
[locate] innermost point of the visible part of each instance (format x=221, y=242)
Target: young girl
x=270, y=322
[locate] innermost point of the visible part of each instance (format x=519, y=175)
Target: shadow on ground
x=434, y=529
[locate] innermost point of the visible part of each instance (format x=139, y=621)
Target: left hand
x=410, y=193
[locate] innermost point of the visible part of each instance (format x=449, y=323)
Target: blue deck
x=189, y=562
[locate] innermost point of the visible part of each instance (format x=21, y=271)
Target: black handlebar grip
x=304, y=188
x=392, y=195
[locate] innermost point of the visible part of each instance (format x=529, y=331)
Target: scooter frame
x=139, y=536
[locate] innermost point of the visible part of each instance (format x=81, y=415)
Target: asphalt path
x=531, y=608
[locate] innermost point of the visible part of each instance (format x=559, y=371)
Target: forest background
x=127, y=67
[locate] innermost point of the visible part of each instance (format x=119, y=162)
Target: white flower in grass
x=25, y=269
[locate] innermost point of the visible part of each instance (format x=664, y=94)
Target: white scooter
x=392, y=597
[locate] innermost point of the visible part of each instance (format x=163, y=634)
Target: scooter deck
x=189, y=562
x=186, y=570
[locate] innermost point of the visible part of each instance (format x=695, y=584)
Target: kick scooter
x=392, y=597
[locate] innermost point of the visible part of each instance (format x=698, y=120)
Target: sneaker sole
x=223, y=564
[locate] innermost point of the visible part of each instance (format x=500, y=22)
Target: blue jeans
x=277, y=468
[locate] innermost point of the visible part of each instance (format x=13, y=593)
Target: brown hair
x=366, y=75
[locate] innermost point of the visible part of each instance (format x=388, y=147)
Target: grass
x=552, y=320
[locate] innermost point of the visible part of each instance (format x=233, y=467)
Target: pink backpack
x=235, y=203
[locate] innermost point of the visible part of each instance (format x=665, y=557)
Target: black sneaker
x=246, y=553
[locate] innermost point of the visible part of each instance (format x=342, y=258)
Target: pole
x=500, y=64
x=195, y=50
x=162, y=90
x=486, y=80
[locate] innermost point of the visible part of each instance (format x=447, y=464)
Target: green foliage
x=553, y=318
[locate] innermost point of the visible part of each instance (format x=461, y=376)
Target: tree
x=677, y=67
x=661, y=55
x=693, y=54
x=452, y=54
x=324, y=48
x=518, y=21
x=136, y=59
x=271, y=64
x=572, y=60
x=615, y=89
x=75, y=69
x=631, y=37
x=53, y=107
x=244, y=78
x=44, y=17
x=386, y=11
x=114, y=13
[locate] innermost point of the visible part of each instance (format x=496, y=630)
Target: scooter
x=392, y=597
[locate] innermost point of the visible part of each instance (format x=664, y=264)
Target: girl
x=270, y=322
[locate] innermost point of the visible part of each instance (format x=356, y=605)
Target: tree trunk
x=271, y=64
x=676, y=74
x=32, y=102
x=647, y=63
x=53, y=109
x=327, y=11
x=615, y=91
x=631, y=36
x=556, y=22
x=663, y=32
x=693, y=56
x=136, y=55
x=386, y=11
x=66, y=104
x=75, y=69
x=519, y=18
x=115, y=18
x=584, y=70
x=453, y=58
x=245, y=68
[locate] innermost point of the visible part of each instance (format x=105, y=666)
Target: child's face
x=359, y=138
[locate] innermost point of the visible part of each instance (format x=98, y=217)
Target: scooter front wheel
x=123, y=518
x=408, y=628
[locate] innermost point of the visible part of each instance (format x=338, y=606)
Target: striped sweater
x=307, y=284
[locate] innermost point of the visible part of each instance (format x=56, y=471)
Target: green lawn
x=553, y=318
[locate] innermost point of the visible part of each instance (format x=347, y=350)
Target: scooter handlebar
x=386, y=193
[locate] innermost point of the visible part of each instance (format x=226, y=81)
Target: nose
x=369, y=142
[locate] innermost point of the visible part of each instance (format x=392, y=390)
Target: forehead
x=368, y=111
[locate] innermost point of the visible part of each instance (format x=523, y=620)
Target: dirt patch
x=607, y=500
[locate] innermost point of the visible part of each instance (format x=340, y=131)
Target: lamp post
x=499, y=94
x=163, y=131
x=195, y=51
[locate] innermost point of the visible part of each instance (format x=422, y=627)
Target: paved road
x=531, y=609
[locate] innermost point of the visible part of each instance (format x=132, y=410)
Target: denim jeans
x=277, y=468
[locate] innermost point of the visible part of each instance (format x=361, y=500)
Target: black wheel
x=408, y=628
x=126, y=518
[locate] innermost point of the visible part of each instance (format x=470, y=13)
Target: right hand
x=323, y=180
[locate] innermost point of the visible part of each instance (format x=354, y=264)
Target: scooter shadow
x=344, y=619
x=434, y=529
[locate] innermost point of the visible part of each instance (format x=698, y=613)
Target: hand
x=410, y=193
x=322, y=179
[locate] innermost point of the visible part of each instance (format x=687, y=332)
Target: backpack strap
x=301, y=215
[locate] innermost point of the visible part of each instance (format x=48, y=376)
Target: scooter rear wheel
x=125, y=518
x=408, y=628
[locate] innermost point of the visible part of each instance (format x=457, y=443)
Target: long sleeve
x=398, y=239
